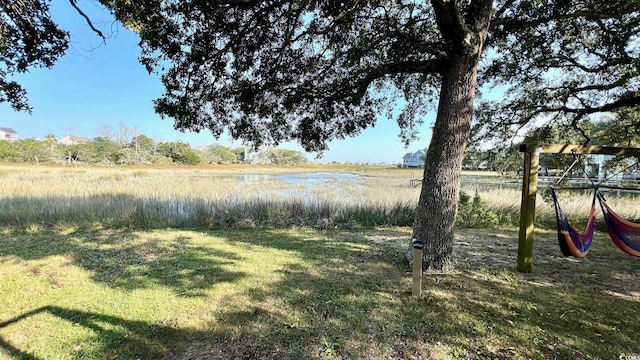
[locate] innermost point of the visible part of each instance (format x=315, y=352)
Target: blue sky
x=96, y=85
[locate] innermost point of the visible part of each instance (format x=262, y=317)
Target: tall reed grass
x=95, y=198
x=36, y=198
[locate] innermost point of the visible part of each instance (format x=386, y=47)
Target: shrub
x=473, y=214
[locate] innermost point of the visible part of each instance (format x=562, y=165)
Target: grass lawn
x=302, y=293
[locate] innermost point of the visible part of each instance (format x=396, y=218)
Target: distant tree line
x=126, y=147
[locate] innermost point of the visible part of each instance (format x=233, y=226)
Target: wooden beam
x=580, y=149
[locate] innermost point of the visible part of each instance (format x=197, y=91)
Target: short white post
x=416, y=289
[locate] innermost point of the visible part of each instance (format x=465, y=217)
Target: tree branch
x=612, y=106
x=504, y=8
x=75, y=6
x=400, y=67
x=516, y=24
x=449, y=20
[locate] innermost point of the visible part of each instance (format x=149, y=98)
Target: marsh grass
x=304, y=293
x=113, y=198
x=57, y=198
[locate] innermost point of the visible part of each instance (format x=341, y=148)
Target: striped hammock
x=624, y=234
x=573, y=242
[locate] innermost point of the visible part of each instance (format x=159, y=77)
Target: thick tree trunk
x=437, y=207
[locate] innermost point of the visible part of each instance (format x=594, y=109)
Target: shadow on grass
x=344, y=295
x=350, y=302
x=130, y=338
x=120, y=259
x=130, y=260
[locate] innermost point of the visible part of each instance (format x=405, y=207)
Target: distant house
x=8, y=134
x=414, y=159
x=73, y=140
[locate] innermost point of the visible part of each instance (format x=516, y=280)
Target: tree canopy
x=28, y=38
x=560, y=63
x=621, y=129
x=280, y=70
x=314, y=71
x=141, y=150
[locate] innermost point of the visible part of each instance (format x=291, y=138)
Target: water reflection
x=299, y=178
x=305, y=186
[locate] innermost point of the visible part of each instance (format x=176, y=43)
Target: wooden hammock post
x=530, y=188
x=527, y=208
